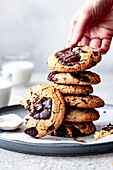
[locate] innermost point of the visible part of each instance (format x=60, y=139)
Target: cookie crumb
x=82, y=141
x=104, y=111
x=57, y=139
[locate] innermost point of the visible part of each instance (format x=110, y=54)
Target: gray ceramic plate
x=62, y=149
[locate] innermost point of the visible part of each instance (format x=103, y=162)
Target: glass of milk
x=19, y=66
x=5, y=88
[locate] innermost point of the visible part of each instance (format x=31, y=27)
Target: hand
x=93, y=23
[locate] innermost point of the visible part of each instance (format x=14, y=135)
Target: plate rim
x=54, y=146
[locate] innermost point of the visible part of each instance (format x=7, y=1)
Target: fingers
x=79, y=29
x=105, y=46
x=96, y=43
x=85, y=41
x=72, y=27
x=102, y=45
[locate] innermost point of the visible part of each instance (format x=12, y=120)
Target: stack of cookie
x=65, y=107
x=74, y=84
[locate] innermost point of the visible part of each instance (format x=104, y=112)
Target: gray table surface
x=10, y=160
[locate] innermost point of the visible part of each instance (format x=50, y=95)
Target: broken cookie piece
x=106, y=130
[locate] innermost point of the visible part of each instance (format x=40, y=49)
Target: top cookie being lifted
x=74, y=59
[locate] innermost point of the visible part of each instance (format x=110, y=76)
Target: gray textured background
x=39, y=27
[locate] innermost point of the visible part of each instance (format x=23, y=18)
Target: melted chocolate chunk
x=75, y=132
x=84, y=126
x=61, y=131
x=108, y=127
x=31, y=131
x=84, y=101
x=95, y=53
x=80, y=77
x=69, y=56
x=42, y=110
x=51, y=75
x=28, y=102
x=28, y=108
x=82, y=51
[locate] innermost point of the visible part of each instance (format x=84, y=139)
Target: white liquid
x=5, y=91
x=21, y=71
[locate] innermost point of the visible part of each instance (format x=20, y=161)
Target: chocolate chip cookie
x=81, y=78
x=81, y=101
x=81, y=115
x=74, y=59
x=46, y=107
x=73, y=89
x=74, y=129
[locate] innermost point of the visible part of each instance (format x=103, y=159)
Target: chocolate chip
x=82, y=51
x=62, y=131
x=51, y=75
x=28, y=108
x=81, y=77
x=95, y=53
x=31, y=131
x=43, y=99
x=84, y=126
x=84, y=101
x=42, y=110
x=108, y=127
x=91, y=57
x=51, y=128
x=75, y=132
x=85, y=79
x=87, y=93
x=28, y=102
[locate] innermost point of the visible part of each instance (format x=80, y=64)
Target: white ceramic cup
x=5, y=88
